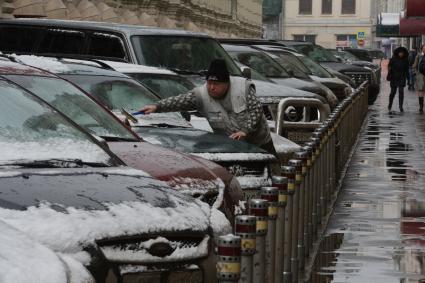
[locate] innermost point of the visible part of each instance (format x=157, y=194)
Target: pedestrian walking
x=228, y=103
x=398, y=69
x=411, y=79
x=420, y=79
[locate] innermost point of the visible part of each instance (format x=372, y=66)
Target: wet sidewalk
x=377, y=230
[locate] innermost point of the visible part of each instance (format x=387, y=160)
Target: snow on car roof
x=134, y=68
x=9, y=67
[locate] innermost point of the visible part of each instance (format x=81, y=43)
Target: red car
x=193, y=175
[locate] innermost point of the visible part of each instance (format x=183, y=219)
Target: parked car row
x=100, y=194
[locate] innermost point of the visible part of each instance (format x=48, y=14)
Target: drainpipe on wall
x=282, y=21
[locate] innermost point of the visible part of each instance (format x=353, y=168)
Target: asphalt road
x=377, y=230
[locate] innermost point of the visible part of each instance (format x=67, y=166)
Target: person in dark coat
x=398, y=69
x=411, y=79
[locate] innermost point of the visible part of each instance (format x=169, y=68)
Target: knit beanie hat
x=218, y=71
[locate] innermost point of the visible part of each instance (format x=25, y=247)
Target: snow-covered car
x=189, y=174
x=62, y=189
x=22, y=259
x=251, y=165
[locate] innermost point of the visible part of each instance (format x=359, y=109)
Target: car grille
x=359, y=78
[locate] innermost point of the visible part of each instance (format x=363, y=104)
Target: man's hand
x=238, y=136
x=148, y=109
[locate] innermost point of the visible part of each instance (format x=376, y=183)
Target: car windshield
x=261, y=63
x=316, y=53
x=314, y=68
x=114, y=92
x=164, y=85
x=183, y=54
x=347, y=56
x=32, y=132
x=292, y=64
x=76, y=105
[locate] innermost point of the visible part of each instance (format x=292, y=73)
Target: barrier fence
x=273, y=243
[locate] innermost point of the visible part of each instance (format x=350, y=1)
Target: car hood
x=68, y=209
x=331, y=82
x=181, y=171
x=342, y=67
x=204, y=144
x=309, y=86
x=365, y=64
x=265, y=89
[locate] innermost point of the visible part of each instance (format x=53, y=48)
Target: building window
x=346, y=40
x=326, y=7
x=348, y=7
x=305, y=37
x=305, y=7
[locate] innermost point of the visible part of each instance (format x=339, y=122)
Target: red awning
x=412, y=26
x=415, y=8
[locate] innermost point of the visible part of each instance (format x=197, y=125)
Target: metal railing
x=276, y=240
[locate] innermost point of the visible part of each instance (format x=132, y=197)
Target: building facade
x=221, y=18
x=330, y=23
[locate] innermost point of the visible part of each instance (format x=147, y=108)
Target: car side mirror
x=246, y=72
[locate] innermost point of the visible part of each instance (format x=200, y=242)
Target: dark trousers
x=400, y=96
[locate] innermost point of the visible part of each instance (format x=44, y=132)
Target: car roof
x=135, y=68
x=293, y=42
x=69, y=66
x=12, y=67
x=101, y=26
x=239, y=48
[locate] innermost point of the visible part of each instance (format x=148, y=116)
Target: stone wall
x=221, y=18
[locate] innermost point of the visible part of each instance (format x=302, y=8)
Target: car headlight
x=348, y=90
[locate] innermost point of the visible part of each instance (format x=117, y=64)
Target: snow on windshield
x=70, y=230
x=172, y=119
x=50, y=148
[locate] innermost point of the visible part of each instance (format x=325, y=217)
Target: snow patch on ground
x=219, y=223
x=68, y=232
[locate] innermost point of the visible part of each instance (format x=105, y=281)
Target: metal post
x=308, y=197
x=302, y=229
x=297, y=164
x=318, y=181
x=259, y=209
x=282, y=184
x=271, y=194
x=289, y=173
x=229, y=258
x=245, y=228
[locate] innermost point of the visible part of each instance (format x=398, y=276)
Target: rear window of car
x=62, y=41
x=106, y=45
x=18, y=39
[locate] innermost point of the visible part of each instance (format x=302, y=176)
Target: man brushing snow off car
x=228, y=103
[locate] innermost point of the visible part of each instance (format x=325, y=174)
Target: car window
x=31, y=131
x=115, y=93
x=164, y=85
x=261, y=63
x=18, y=39
x=181, y=53
x=314, y=67
x=316, y=53
x=106, y=45
x=298, y=69
x=62, y=41
x=75, y=104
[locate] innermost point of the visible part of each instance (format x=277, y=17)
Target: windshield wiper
x=187, y=72
x=57, y=163
x=116, y=139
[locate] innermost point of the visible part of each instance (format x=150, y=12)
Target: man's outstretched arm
x=182, y=102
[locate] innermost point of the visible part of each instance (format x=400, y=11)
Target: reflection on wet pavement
x=377, y=230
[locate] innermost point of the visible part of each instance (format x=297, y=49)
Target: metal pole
x=297, y=164
x=271, y=194
x=229, y=258
x=259, y=209
x=282, y=184
x=308, y=192
x=302, y=229
x=246, y=229
x=289, y=173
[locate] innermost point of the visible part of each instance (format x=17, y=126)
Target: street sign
x=361, y=35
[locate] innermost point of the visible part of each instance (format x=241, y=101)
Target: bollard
x=289, y=173
x=282, y=184
x=229, y=258
x=246, y=229
x=259, y=209
x=271, y=194
x=314, y=191
x=297, y=165
x=318, y=181
x=302, y=225
x=309, y=207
